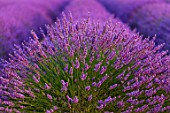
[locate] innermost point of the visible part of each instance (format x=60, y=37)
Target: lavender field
x=84, y=56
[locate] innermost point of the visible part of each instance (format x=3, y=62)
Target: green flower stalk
x=85, y=67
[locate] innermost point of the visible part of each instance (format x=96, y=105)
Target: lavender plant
x=83, y=9
x=18, y=17
x=154, y=19
x=168, y=1
x=91, y=8
x=51, y=8
x=125, y=8
x=86, y=67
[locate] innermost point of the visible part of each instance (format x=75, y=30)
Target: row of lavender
x=86, y=65
x=18, y=17
x=149, y=17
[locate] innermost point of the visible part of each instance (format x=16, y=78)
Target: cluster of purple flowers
x=86, y=65
x=154, y=19
x=18, y=17
x=149, y=17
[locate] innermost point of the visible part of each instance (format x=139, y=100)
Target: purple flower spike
x=83, y=76
x=47, y=86
x=97, y=66
x=87, y=88
x=90, y=97
x=64, y=86
x=75, y=100
x=49, y=96
x=71, y=71
x=103, y=69
x=77, y=64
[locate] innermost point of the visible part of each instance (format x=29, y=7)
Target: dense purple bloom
x=122, y=87
x=126, y=87
x=154, y=19
x=149, y=17
x=81, y=9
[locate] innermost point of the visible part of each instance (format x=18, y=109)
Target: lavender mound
x=83, y=9
x=18, y=17
x=90, y=8
x=168, y=1
x=154, y=19
x=88, y=68
x=125, y=8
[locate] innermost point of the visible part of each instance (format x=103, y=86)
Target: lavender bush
x=91, y=8
x=18, y=17
x=83, y=9
x=86, y=67
x=125, y=8
x=168, y=1
x=51, y=8
x=154, y=19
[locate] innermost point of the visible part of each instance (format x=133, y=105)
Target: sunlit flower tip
x=87, y=88
x=64, y=85
x=100, y=107
x=69, y=99
x=83, y=76
x=120, y=104
x=35, y=79
x=103, y=69
x=108, y=112
x=47, y=86
x=9, y=103
x=94, y=84
x=55, y=108
x=48, y=111
x=71, y=71
x=97, y=66
x=111, y=56
x=18, y=95
x=49, y=96
x=75, y=100
x=86, y=66
x=77, y=65
x=113, y=86
x=90, y=97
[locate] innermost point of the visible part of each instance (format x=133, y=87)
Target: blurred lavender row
x=91, y=8
x=18, y=17
x=124, y=8
x=82, y=9
x=154, y=19
x=149, y=17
